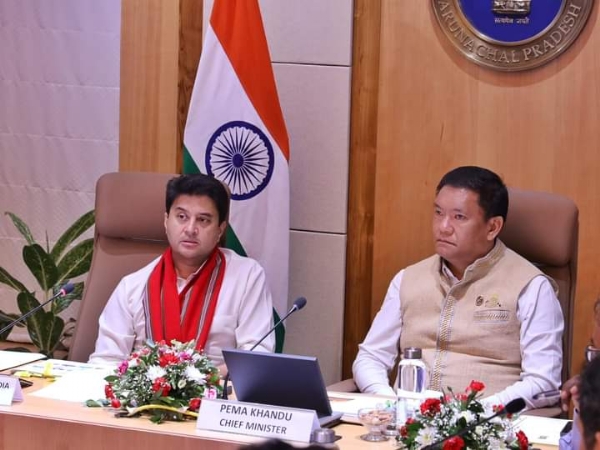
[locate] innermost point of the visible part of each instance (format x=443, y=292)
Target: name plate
x=253, y=419
x=10, y=389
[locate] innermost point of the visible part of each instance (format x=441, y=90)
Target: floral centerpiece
x=457, y=414
x=167, y=381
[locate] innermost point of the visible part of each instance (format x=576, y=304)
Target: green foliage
x=51, y=268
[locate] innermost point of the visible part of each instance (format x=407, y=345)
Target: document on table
x=77, y=385
x=541, y=430
x=10, y=360
x=59, y=367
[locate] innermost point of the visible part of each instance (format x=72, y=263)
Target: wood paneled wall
x=434, y=110
x=160, y=49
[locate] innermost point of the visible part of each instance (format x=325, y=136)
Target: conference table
x=43, y=423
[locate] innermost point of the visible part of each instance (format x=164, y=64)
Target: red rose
x=454, y=443
x=108, y=391
x=403, y=431
x=431, y=407
x=523, y=441
x=476, y=386
x=194, y=404
x=161, y=386
x=410, y=420
x=115, y=403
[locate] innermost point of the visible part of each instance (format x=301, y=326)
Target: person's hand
x=569, y=392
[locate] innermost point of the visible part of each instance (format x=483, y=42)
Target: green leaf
x=5, y=319
x=22, y=227
x=79, y=227
x=94, y=403
x=45, y=329
x=8, y=279
x=77, y=261
x=62, y=303
x=41, y=265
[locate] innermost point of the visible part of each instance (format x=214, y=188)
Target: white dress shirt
x=243, y=315
x=538, y=311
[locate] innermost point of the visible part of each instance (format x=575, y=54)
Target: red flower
x=167, y=359
x=194, y=404
x=108, y=391
x=115, y=403
x=476, y=386
x=161, y=386
x=454, y=443
x=523, y=441
x=403, y=431
x=431, y=407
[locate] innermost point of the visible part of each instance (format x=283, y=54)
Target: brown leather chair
x=129, y=233
x=543, y=228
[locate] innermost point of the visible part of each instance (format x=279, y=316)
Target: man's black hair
x=492, y=192
x=197, y=185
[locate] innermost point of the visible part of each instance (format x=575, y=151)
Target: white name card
x=253, y=419
x=10, y=390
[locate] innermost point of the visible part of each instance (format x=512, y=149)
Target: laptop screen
x=278, y=379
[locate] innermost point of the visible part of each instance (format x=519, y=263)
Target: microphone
x=64, y=290
x=512, y=407
x=299, y=303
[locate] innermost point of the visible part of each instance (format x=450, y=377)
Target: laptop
x=282, y=380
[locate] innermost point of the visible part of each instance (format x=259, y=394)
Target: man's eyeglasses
x=591, y=352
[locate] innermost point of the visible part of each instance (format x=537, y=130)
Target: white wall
x=311, y=47
x=59, y=118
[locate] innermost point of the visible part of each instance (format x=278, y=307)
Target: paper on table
x=9, y=360
x=541, y=430
x=77, y=386
x=350, y=406
x=59, y=367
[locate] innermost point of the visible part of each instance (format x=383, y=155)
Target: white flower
x=426, y=436
x=194, y=374
x=133, y=362
x=155, y=372
x=468, y=416
x=496, y=444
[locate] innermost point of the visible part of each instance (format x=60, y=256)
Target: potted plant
x=52, y=268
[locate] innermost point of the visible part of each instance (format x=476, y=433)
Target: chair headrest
x=131, y=205
x=542, y=227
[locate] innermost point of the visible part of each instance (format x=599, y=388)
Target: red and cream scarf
x=186, y=315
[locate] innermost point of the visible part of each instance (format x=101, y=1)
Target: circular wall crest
x=240, y=155
x=512, y=35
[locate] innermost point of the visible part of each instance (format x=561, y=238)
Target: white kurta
x=541, y=321
x=243, y=315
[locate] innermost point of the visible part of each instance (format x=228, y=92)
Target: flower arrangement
x=167, y=381
x=457, y=414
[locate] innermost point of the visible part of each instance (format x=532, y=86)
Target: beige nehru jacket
x=469, y=330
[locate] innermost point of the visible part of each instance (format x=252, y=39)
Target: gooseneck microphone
x=64, y=290
x=512, y=407
x=299, y=303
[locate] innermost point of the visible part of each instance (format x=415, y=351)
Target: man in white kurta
x=477, y=309
x=195, y=290
x=243, y=315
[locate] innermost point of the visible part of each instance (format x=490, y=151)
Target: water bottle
x=412, y=384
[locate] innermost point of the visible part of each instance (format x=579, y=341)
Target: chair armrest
x=549, y=411
x=347, y=385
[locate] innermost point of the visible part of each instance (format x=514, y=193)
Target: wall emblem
x=512, y=35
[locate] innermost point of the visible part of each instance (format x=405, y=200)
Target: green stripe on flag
x=232, y=242
x=189, y=165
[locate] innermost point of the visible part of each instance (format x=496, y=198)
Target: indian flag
x=236, y=132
